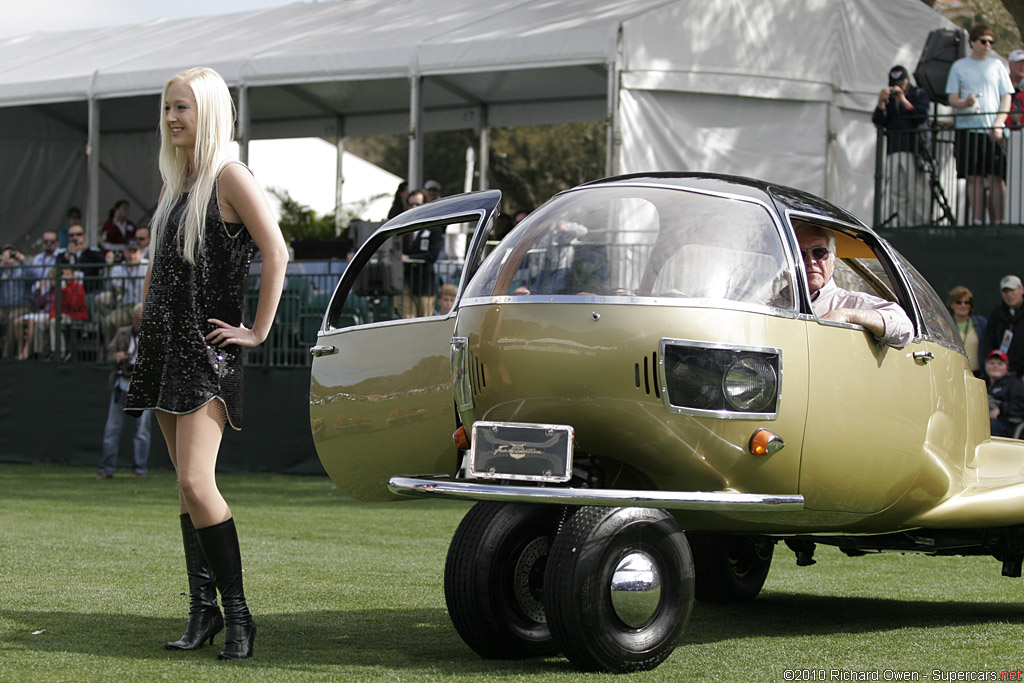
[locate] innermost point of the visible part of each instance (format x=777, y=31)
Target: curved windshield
x=642, y=242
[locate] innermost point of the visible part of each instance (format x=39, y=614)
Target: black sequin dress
x=177, y=371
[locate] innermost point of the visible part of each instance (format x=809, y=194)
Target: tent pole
x=485, y=149
x=339, y=141
x=92, y=151
x=415, y=178
x=611, y=158
x=243, y=124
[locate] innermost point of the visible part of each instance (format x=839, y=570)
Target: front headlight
x=749, y=384
x=725, y=381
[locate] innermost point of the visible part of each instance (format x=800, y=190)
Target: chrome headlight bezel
x=728, y=381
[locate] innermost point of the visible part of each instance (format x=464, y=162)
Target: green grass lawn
x=92, y=584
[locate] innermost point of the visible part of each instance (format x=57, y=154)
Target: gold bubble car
x=634, y=388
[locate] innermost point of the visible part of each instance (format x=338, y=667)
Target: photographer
x=902, y=111
x=122, y=352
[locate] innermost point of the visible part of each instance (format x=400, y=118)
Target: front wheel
x=493, y=579
x=619, y=588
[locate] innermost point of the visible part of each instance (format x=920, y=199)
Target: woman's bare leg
x=168, y=426
x=197, y=442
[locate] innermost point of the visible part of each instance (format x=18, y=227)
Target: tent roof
x=530, y=61
x=353, y=58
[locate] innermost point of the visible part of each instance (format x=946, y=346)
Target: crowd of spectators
x=986, y=97
x=84, y=283
x=995, y=347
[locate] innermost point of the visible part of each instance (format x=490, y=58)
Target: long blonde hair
x=215, y=126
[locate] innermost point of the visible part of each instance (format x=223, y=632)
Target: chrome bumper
x=668, y=500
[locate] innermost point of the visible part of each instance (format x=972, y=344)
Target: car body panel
x=590, y=383
x=876, y=439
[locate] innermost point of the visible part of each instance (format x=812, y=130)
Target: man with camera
x=121, y=351
x=902, y=111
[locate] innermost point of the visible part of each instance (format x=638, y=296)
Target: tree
x=1006, y=17
x=1015, y=8
x=527, y=163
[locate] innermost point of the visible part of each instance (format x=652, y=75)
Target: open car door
x=381, y=401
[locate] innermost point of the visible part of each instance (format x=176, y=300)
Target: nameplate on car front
x=527, y=452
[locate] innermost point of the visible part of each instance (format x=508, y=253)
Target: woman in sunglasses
x=960, y=303
x=210, y=216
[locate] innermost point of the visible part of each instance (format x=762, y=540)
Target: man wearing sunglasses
x=886, y=320
x=979, y=87
x=85, y=259
x=44, y=261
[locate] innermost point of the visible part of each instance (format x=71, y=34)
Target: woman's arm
x=243, y=201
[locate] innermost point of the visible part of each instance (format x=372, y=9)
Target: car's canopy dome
x=645, y=238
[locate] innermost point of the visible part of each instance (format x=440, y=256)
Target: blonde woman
x=210, y=216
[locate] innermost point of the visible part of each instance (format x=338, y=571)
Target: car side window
x=860, y=268
x=937, y=321
x=408, y=276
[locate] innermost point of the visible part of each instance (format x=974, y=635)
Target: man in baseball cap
x=1005, y=395
x=901, y=112
x=1005, y=332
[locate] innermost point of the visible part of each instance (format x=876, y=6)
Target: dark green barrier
x=55, y=412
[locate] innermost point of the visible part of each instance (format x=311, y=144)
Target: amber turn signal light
x=461, y=439
x=765, y=442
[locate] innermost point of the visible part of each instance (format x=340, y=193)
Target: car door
x=870, y=406
x=381, y=400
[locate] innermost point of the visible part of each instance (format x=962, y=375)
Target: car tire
x=493, y=579
x=619, y=588
x=730, y=568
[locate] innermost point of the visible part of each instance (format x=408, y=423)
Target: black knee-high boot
x=204, y=618
x=220, y=545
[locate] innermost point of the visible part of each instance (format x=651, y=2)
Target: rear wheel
x=730, y=568
x=619, y=588
x=494, y=578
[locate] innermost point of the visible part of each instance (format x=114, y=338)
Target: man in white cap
x=1005, y=330
x=1016, y=62
x=433, y=189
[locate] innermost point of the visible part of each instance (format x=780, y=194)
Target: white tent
x=780, y=89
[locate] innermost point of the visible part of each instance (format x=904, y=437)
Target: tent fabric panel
x=129, y=168
x=793, y=50
x=778, y=141
x=42, y=175
x=767, y=42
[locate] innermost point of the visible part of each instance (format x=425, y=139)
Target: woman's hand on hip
x=226, y=334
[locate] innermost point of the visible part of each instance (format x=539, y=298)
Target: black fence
x=94, y=306
x=938, y=175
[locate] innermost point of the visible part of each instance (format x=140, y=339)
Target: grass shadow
x=411, y=640
x=786, y=614
x=423, y=640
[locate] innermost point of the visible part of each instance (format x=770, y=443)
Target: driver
x=884, y=319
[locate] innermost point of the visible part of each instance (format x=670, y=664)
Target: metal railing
x=938, y=175
x=81, y=334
